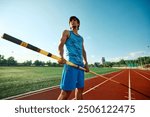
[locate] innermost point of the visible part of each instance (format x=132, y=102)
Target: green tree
x=27, y=63
x=49, y=63
x=3, y=61
x=96, y=64
x=11, y=61
x=108, y=64
x=39, y=63
x=122, y=62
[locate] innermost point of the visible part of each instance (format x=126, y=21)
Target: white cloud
x=115, y=59
x=131, y=55
x=136, y=54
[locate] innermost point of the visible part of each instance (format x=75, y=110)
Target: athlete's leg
x=79, y=85
x=64, y=95
x=79, y=93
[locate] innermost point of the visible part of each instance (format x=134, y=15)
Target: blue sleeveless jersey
x=74, y=48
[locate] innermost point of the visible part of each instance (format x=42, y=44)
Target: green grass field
x=18, y=80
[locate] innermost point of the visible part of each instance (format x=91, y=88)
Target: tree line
x=141, y=61
x=12, y=62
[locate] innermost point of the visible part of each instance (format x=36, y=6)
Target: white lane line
x=93, y=88
x=102, y=75
x=129, y=89
x=30, y=93
x=131, y=93
x=143, y=76
x=128, y=97
x=101, y=83
x=145, y=72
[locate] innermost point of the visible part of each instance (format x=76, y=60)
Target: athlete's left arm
x=85, y=58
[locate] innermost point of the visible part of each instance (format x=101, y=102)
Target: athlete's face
x=74, y=23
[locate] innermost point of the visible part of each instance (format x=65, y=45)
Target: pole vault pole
x=48, y=54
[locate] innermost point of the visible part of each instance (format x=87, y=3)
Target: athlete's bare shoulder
x=66, y=33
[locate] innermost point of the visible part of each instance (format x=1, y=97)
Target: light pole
x=148, y=51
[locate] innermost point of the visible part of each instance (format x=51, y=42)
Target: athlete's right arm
x=63, y=39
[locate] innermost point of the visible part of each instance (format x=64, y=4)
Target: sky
x=114, y=29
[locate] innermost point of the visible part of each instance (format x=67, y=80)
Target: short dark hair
x=74, y=17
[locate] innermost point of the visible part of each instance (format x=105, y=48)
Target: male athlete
x=72, y=78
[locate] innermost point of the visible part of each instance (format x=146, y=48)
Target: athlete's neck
x=75, y=31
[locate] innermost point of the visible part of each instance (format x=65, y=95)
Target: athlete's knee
x=79, y=94
x=80, y=90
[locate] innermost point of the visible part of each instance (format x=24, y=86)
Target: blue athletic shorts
x=72, y=78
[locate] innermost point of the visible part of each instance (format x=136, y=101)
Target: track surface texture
x=132, y=84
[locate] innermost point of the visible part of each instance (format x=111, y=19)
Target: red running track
x=131, y=84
